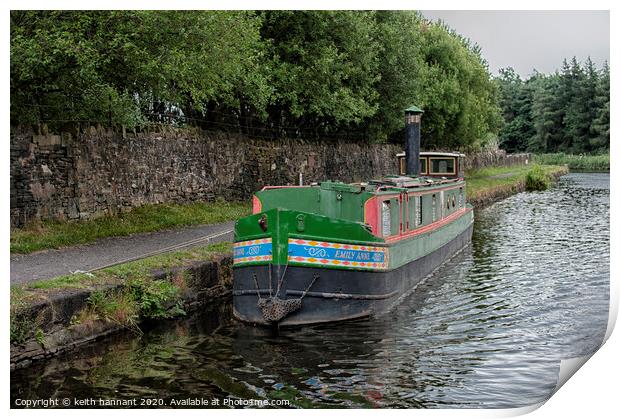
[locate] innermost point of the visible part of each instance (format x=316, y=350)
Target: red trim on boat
x=284, y=186
x=431, y=226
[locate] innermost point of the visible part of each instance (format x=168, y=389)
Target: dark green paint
x=414, y=109
x=283, y=223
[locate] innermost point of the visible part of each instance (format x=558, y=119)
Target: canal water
x=487, y=330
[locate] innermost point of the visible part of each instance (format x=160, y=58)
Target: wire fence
x=233, y=121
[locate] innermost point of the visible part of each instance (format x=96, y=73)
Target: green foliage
x=21, y=328
x=325, y=63
x=50, y=235
x=114, y=306
x=586, y=163
x=83, y=64
x=400, y=66
x=155, y=299
x=460, y=101
x=600, y=125
x=139, y=298
x=290, y=73
x=537, y=179
x=516, y=102
x=39, y=336
x=567, y=111
x=78, y=280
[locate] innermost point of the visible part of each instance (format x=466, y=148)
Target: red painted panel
x=371, y=214
x=257, y=206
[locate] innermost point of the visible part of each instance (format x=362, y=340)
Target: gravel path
x=50, y=263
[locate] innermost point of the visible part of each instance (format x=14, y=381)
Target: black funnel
x=413, y=117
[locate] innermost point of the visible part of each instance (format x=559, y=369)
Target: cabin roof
x=405, y=182
x=434, y=153
x=414, y=109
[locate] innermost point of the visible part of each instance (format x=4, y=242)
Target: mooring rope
x=160, y=251
x=270, y=286
x=256, y=285
x=281, y=279
x=314, y=278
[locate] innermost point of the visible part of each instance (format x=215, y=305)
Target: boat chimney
x=413, y=117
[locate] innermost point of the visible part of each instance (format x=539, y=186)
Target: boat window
x=442, y=166
x=386, y=218
x=403, y=166
x=460, y=197
x=395, y=215
x=434, y=207
x=418, y=211
x=423, y=166
x=412, y=202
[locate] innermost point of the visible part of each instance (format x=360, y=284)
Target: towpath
x=51, y=263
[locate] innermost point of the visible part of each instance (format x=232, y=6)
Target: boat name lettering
x=349, y=254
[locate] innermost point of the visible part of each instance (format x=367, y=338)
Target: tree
x=460, y=99
x=325, y=66
x=301, y=73
x=567, y=111
x=516, y=104
x=600, y=125
x=83, y=64
x=401, y=69
x=547, y=114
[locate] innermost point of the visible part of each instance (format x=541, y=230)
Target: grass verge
x=584, y=163
x=139, y=296
x=52, y=235
x=485, y=184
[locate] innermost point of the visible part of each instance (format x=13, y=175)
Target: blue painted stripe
x=342, y=255
x=253, y=250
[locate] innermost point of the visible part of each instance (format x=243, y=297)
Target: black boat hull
x=336, y=294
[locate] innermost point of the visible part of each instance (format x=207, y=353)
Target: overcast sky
x=527, y=40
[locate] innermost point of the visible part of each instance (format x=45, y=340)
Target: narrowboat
x=334, y=251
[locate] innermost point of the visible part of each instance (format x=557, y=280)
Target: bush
x=537, y=179
x=141, y=298
x=155, y=299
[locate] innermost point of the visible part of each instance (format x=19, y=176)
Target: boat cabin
x=391, y=208
x=436, y=164
x=421, y=198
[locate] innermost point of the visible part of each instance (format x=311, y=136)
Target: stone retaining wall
x=49, y=326
x=493, y=158
x=88, y=171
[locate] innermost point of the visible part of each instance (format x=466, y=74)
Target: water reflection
x=488, y=330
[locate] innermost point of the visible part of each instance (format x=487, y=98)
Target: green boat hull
x=376, y=276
